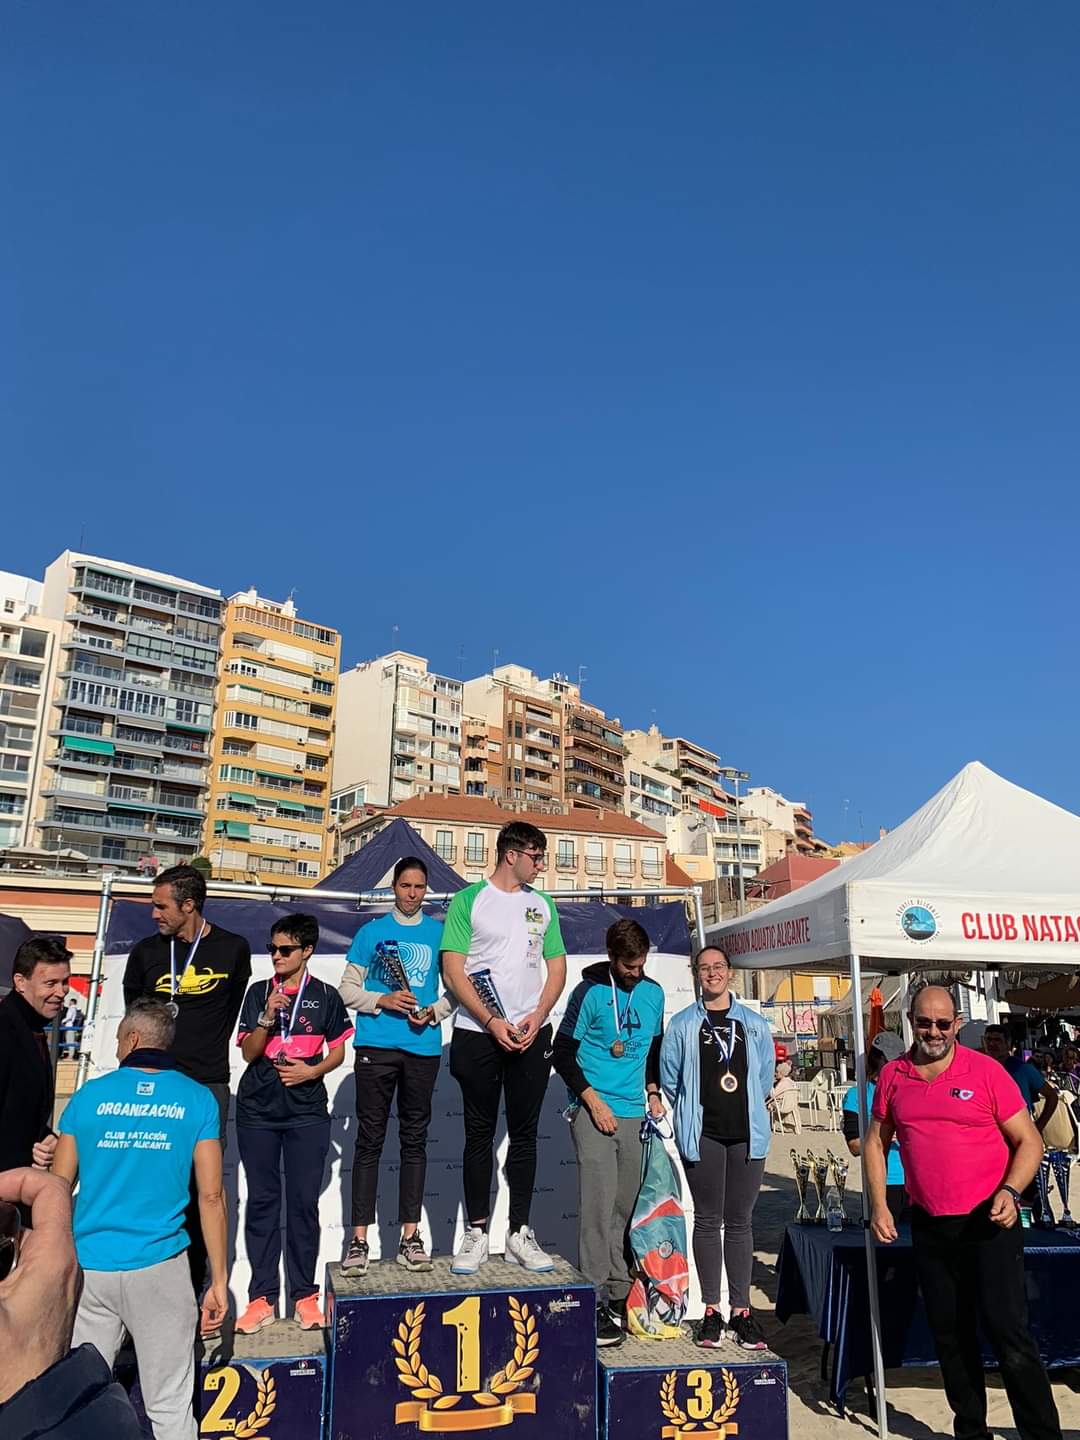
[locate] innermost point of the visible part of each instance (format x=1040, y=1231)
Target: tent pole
x=868, y=1239
x=97, y=965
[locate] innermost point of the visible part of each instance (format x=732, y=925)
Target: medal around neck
x=618, y=1045
x=729, y=1083
x=174, y=983
x=618, y=1049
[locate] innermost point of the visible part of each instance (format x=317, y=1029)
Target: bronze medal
x=618, y=1049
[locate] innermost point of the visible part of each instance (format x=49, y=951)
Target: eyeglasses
x=536, y=856
x=712, y=970
x=922, y=1022
x=285, y=950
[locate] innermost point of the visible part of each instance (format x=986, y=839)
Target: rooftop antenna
x=461, y=661
x=581, y=675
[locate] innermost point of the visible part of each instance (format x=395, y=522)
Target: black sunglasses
x=285, y=950
x=922, y=1023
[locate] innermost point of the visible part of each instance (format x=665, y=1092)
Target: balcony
x=623, y=868
x=476, y=857
x=98, y=584
x=149, y=624
x=651, y=871
x=99, y=614
x=566, y=860
x=595, y=865
x=447, y=853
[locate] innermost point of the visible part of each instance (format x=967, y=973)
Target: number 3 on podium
x=465, y=1318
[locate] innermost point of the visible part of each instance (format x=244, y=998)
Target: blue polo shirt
x=136, y=1133
x=1029, y=1079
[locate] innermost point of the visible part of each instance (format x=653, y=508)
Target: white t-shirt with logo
x=511, y=933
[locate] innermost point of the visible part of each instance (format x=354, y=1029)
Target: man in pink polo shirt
x=969, y=1148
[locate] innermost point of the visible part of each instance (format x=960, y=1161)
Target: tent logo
x=918, y=921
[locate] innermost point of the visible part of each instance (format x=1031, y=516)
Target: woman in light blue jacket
x=716, y=1068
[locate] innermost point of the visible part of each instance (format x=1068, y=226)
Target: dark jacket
x=75, y=1399
x=26, y=1082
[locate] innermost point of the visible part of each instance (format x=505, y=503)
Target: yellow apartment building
x=272, y=748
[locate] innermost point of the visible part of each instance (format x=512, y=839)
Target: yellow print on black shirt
x=191, y=982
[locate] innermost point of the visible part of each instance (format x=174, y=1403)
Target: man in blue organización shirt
x=391, y=980
x=131, y=1139
x=608, y=1052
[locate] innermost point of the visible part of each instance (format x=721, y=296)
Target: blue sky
x=730, y=351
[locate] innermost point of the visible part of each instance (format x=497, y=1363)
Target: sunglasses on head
x=285, y=950
x=923, y=1022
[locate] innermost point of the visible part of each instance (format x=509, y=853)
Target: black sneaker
x=744, y=1330
x=608, y=1332
x=709, y=1335
x=356, y=1258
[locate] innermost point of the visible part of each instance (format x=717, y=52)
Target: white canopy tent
x=983, y=877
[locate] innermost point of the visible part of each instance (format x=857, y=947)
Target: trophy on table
x=1060, y=1163
x=484, y=986
x=821, y=1182
x=1046, y=1219
x=803, y=1165
x=834, y=1206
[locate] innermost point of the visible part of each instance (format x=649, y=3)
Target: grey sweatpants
x=157, y=1306
x=725, y=1185
x=609, y=1177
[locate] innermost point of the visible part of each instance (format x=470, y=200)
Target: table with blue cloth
x=823, y=1273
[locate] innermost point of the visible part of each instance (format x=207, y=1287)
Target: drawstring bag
x=658, y=1296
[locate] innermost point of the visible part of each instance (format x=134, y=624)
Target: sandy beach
x=917, y=1407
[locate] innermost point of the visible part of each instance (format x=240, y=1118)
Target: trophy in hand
x=834, y=1208
x=394, y=970
x=484, y=986
x=803, y=1166
x=1060, y=1163
x=821, y=1181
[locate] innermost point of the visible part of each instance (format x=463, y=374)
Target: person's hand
x=276, y=1001
x=530, y=1027
x=421, y=1017
x=401, y=1002
x=215, y=1307
x=600, y=1113
x=44, y=1151
x=294, y=1072
x=503, y=1033
x=38, y=1299
x=656, y=1107
x=883, y=1225
x=1004, y=1211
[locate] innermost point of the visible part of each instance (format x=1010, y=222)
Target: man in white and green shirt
x=505, y=963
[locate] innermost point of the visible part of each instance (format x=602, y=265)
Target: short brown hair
x=627, y=940
x=40, y=950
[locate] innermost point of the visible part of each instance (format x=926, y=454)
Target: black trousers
x=971, y=1270
x=262, y=1152
x=486, y=1072
x=379, y=1075
x=192, y=1218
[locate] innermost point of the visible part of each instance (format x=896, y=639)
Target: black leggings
x=485, y=1071
x=724, y=1183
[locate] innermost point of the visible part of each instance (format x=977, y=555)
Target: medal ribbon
x=726, y=1049
x=285, y=1023
x=615, y=1009
x=173, y=986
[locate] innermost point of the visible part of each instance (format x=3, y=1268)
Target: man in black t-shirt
x=201, y=971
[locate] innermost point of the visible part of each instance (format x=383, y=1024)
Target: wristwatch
x=1017, y=1197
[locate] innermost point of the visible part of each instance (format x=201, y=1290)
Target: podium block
x=671, y=1390
x=271, y=1385
x=438, y=1353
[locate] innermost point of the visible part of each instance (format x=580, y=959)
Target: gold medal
x=618, y=1049
x=729, y=1083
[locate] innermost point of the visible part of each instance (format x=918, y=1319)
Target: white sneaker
x=522, y=1249
x=472, y=1252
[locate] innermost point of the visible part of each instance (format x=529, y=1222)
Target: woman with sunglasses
x=716, y=1068
x=286, y=1024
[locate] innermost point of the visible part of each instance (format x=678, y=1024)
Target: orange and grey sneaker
x=308, y=1314
x=257, y=1316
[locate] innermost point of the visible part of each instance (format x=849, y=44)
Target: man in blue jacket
x=608, y=1052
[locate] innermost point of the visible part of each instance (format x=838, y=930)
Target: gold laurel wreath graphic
x=518, y=1369
x=678, y=1417
x=411, y=1369
x=265, y=1403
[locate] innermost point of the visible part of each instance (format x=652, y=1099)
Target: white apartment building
x=398, y=732
x=29, y=646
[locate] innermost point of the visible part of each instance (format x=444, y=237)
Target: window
x=594, y=857
x=624, y=864
x=444, y=844
x=635, y=779
x=241, y=720
x=475, y=850
x=566, y=855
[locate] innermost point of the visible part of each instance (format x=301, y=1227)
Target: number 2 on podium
x=465, y=1318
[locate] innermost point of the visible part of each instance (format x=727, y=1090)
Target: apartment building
x=399, y=730
x=481, y=758
x=653, y=795
x=29, y=645
x=696, y=770
x=791, y=817
x=587, y=850
x=556, y=746
x=125, y=774
x=273, y=744
x=526, y=725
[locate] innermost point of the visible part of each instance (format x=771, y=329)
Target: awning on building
x=91, y=747
x=241, y=797
x=236, y=829
x=292, y=805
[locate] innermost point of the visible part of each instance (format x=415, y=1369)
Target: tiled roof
x=675, y=874
x=471, y=809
